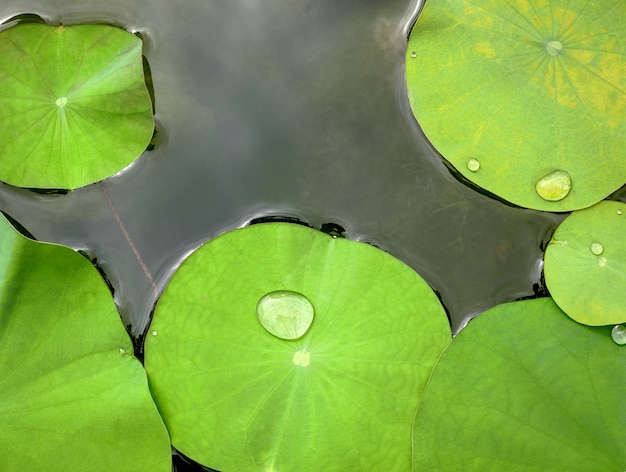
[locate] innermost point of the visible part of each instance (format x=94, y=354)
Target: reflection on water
x=282, y=108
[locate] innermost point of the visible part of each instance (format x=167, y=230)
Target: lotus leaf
x=525, y=98
x=339, y=397
x=524, y=388
x=75, y=107
x=72, y=396
x=585, y=264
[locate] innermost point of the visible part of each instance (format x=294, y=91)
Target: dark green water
x=282, y=108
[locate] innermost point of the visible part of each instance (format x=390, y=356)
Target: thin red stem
x=129, y=240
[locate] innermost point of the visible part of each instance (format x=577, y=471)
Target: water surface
x=281, y=108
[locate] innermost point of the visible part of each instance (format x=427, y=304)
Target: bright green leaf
x=339, y=398
x=585, y=264
x=74, y=105
x=523, y=388
x=527, y=99
x=72, y=396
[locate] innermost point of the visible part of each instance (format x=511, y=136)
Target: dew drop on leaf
x=285, y=314
x=554, y=186
x=473, y=164
x=597, y=248
x=60, y=102
x=618, y=333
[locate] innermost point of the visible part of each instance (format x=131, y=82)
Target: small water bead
x=473, y=165
x=155, y=332
x=285, y=314
x=619, y=212
x=60, y=102
x=122, y=351
x=618, y=333
x=413, y=54
x=554, y=47
x=554, y=186
x=597, y=248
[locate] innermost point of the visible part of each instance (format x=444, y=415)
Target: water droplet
x=122, y=351
x=155, y=332
x=602, y=261
x=302, y=358
x=413, y=54
x=619, y=212
x=597, y=248
x=555, y=186
x=473, y=164
x=554, y=47
x=285, y=314
x=61, y=102
x=618, y=333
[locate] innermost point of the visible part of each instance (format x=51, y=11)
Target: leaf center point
x=554, y=47
x=60, y=102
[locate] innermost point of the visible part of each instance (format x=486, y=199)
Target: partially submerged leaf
x=585, y=264
x=338, y=397
x=524, y=388
x=72, y=396
x=74, y=104
x=526, y=99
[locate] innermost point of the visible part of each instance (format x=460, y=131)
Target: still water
x=281, y=108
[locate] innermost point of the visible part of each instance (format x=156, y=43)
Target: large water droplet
x=618, y=333
x=60, y=102
x=285, y=314
x=554, y=47
x=597, y=248
x=555, y=186
x=473, y=165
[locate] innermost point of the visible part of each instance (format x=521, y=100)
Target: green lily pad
x=72, y=396
x=585, y=264
x=524, y=388
x=340, y=396
x=75, y=107
x=525, y=99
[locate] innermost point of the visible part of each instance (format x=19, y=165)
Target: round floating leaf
x=585, y=264
x=74, y=105
x=524, y=388
x=339, y=397
x=526, y=99
x=72, y=396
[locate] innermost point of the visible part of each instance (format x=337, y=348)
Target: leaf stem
x=129, y=240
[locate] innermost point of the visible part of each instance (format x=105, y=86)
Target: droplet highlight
x=597, y=248
x=285, y=314
x=413, y=54
x=473, y=165
x=554, y=186
x=618, y=333
x=155, y=332
x=61, y=102
x=602, y=261
x=554, y=47
x=122, y=351
x=619, y=212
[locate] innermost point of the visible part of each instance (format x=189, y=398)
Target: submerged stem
x=129, y=240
